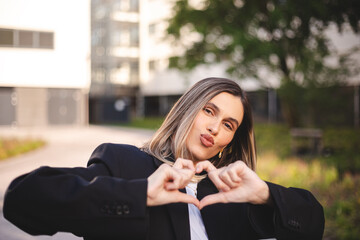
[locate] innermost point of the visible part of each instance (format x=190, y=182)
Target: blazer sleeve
x=87, y=202
x=295, y=214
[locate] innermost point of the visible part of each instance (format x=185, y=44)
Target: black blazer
x=107, y=200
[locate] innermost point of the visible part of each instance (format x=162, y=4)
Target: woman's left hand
x=236, y=183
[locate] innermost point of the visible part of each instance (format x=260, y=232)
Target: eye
x=228, y=125
x=208, y=111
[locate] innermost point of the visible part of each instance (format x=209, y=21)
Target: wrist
x=264, y=196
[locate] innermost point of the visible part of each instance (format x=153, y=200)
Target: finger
x=214, y=177
x=178, y=178
x=204, y=166
x=185, y=198
x=187, y=175
x=181, y=163
x=234, y=176
x=172, y=179
x=212, y=199
x=225, y=177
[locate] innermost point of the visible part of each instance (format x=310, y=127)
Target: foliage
x=340, y=197
x=296, y=172
x=342, y=149
x=340, y=146
x=342, y=208
x=327, y=176
x=285, y=39
x=274, y=138
x=319, y=107
x=12, y=147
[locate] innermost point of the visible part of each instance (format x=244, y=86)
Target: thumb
x=185, y=198
x=212, y=199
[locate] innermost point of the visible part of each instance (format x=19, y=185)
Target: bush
x=340, y=197
x=333, y=178
x=340, y=145
x=342, y=208
x=273, y=138
x=341, y=148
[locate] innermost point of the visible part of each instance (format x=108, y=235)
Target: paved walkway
x=66, y=147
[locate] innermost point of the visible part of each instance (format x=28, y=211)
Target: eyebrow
x=217, y=109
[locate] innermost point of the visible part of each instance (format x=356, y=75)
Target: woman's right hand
x=165, y=182
x=236, y=183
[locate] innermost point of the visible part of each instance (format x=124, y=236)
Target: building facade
x=115, y=55
x=130, y=64
x=44, y=62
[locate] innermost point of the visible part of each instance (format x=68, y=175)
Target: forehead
x=229, y=105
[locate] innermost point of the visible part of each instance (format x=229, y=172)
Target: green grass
x=10, y=147
x=145, y=123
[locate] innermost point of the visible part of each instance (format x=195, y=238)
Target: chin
x=198, y=158
x=201, y=153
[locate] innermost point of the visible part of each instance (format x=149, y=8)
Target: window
x=98, y=75
x=46, y=40
x=134, y=35
x=116, y=37
x=26, y=39
x=6, y=37
x=134, y=72
x=126, y=5
x=152, y=29
x=134, y=5
x=134, y=66
x=97, y=36
x=152, y=65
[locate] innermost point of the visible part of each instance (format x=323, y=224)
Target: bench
x=306, y=140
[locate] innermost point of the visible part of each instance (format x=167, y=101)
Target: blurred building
x=115, y=56
x=130, y=56
x=130, y=64
x=44, y=62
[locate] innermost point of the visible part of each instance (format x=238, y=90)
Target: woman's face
x=214, y=126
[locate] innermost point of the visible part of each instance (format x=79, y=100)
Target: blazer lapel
x=214, y=216
x=179, y=216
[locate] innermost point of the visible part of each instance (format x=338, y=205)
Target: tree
x=283, y=37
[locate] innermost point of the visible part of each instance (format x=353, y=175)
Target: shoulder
x=121, y=159
x=113, y=149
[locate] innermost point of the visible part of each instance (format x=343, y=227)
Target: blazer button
x=126, y=209
x=294, y=224
x=119, y=210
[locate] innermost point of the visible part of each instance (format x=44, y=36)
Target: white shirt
x=197, y=228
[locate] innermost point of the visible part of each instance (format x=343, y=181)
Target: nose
x=213, y=128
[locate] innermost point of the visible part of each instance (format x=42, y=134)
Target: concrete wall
x=45, y=86
x=67, y=64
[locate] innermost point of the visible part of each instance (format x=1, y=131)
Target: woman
x=174, y=187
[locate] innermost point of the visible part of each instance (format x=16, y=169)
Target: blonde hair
x=169, y=141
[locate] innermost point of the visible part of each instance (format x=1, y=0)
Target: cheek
x=226, y=139
x=197, y=124
x=193, y=132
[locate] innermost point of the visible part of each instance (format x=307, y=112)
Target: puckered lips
x=207, y=140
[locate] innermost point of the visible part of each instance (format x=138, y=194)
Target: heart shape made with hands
x=235, y=182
